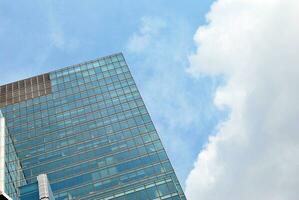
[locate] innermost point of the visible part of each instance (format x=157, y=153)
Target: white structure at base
x=2, y=158
x=44, y=189
x=4, y=196
x=2, y=153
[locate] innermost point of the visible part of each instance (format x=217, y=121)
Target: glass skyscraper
x=38, y=190
x=87, y=128
x=11, y=173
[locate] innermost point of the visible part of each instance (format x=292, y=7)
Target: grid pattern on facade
x=10, y=165
x=93, y=136
x=25, y=89
x=14, y=176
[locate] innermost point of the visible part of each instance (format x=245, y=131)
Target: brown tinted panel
x=25, y=89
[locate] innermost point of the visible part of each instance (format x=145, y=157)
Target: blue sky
x=156, y=38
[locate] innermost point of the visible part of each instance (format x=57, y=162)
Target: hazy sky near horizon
x=219, y=78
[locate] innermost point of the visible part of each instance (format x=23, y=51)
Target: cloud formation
x=57, y=37
x=159, y=52
x=255, y=154
x=151, y=27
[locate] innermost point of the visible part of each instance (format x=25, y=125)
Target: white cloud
x=56, y=25
x=151, y=27
x=159, y=55
x=255, y=154
x=57, y=36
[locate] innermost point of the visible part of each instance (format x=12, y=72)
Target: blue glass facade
x=40, y=190
x=29, y=192
x=12, y=177
x=90, y=132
